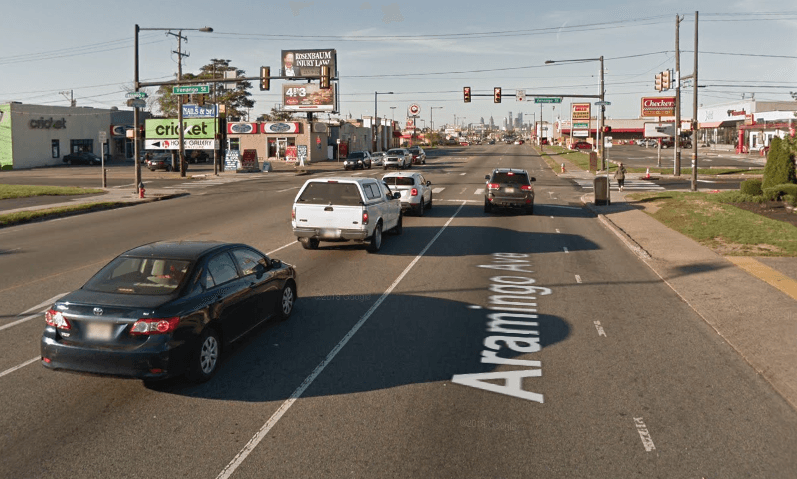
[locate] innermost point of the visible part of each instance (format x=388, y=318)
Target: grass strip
x=726, y=229
x=25, y=191
x=22, y=217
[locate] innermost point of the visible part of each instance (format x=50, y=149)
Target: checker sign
x=414, y=111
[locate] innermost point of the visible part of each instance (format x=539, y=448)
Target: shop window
x=235, y=144
x=76, y=146
x=56, y=149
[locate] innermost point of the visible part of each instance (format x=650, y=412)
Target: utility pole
x=180, y=56
x=676, y=168
x=694, y=110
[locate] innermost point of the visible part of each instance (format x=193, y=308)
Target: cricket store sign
x=658, y=106
x=192, y=128
x=41, y=123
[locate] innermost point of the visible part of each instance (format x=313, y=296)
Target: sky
x=423, y=52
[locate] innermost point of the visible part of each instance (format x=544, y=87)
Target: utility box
x=593, y=161
x=601, y=190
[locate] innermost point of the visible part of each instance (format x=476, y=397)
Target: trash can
x=601, y=190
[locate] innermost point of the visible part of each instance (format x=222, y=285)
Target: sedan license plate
x=99, y=331
x=509, y=190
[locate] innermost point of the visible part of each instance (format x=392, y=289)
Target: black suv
x=509, y=188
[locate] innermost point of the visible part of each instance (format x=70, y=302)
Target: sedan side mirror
x=428, y=183
x=275, y=263
x=396, y=196
x=533, y=179
x=486, y=177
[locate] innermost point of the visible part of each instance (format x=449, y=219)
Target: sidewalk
x=751, y=303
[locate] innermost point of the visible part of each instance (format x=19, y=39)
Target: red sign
x=580, y=111
x=291, y=153
x=249, y=160
x=237, y=128
x=658, y=106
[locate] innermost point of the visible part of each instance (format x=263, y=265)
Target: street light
x=431, y=115
x=376, y=117
x=137, y=85
x=393, y=113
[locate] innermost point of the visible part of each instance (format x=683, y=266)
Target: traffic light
x=325, y=76
x=665, y=80
x=607, y=129
x=497, y=94
x=658, y=82
x=466, y=91
x=265, y=73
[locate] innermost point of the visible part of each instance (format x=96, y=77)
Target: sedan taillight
x=150, y=326
x=414, y=192
x=493, y=186
x=56, y=319
x=526, y=187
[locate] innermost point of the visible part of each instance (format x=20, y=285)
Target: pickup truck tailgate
x=328, y=216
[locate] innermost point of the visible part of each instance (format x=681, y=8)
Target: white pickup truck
x=345, y=209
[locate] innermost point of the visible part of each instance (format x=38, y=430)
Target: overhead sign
x=307, y=63
x=192, y=128
x=279, y=127
x=520, y=95
x=308, y=97
x=241, y=128
x=137, y=103
x=547, y=100
x=175, y=144
x=658, y=106
x=659, y=130
x=414, y=110
x=580, y=111
x=136, y=94
x=196, y=111
x=190, y=89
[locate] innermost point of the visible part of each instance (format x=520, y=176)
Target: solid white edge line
x=45, y=303
x=19, y=321
x=9, y=371
x=281, y=247
x=272, y=421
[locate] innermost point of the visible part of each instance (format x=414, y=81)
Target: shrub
x=780, y=165
x=790, y=200
x=736, y=197
x=751, y=187
x=775, y=193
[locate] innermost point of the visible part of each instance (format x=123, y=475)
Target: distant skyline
x=424, y=52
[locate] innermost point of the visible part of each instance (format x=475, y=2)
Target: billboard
x=308, y=97
x=580, y=111
x=307, y=63
x=658, y=106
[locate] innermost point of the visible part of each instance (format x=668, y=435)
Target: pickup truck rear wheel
x=399, y=228
x=376, y=239
x=309, y=243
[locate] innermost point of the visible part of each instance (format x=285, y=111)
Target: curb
x=635, y=247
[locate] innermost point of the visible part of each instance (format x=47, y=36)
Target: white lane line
x=20, y=321
x=578, y=279
x=479, y=191
x=438, y=190
x=707, y=181
x=644, y=434
x=598, y=326
x=9, y=371
x=566, y=251
x=462, y=174
x=288, y=189
x=46, y=303
x=557, y=230
x=281, y=247
x=462, y=201
x=463, y=191
x=272, y=421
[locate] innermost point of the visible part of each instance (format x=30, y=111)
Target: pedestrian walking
x=619, y=175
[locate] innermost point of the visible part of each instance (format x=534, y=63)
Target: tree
x=234, y=96
x=276, y=115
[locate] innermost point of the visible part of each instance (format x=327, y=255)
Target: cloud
x=297, y=7
x=365, y=6
x=392, y=13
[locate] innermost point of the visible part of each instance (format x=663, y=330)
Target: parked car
x=415, y=190
x=345, y=209
x=464, y=143
x=520, y=142
x=82, y=158
x=166, y=309
x=418, y=155
x=581, y=145
x=543, y=141
x=357, y=159
x=160, y=161
x=399, y=158
x=509, y=188
x=647, y=142
x=378, y=158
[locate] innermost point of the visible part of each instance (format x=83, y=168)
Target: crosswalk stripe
x=437, y=190
x=479, y=191
x=629, y=185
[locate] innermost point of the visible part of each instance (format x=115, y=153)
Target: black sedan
x=82, y=158
x=166, y=309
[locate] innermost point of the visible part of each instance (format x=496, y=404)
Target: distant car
x=357, y=159
x=418, y=155
x=648, y=142
x=166, y=309
x=464, y=143
x=491, y=142
x=82, y=158
x=160, y=161
x=377, y=158
x=543, y=141
x=399, y=158
x=509, y=188
x=416, y=191
x=581, y=145
x=520, y=142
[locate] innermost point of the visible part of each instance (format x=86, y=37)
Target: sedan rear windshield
x=516, y=178
x=399, y=180
x=330, y=193
x=145, y=276
x=396, y=152
x=357, y=154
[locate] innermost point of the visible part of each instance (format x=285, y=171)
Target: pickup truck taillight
x=365, y=217
x=293, y=213
x=414, y=192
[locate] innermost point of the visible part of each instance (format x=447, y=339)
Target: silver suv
x=509, y=188
x=398, y=158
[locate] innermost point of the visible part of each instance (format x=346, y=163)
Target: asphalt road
x=380, y=371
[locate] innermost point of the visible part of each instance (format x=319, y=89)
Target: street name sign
x=136, y=94
x=603, y=103
x=547, y=100
x=190, y=90
x=137, y=103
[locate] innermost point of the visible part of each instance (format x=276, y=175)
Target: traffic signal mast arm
x=224, y=80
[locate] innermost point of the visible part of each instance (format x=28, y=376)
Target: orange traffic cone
x=647, y=174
